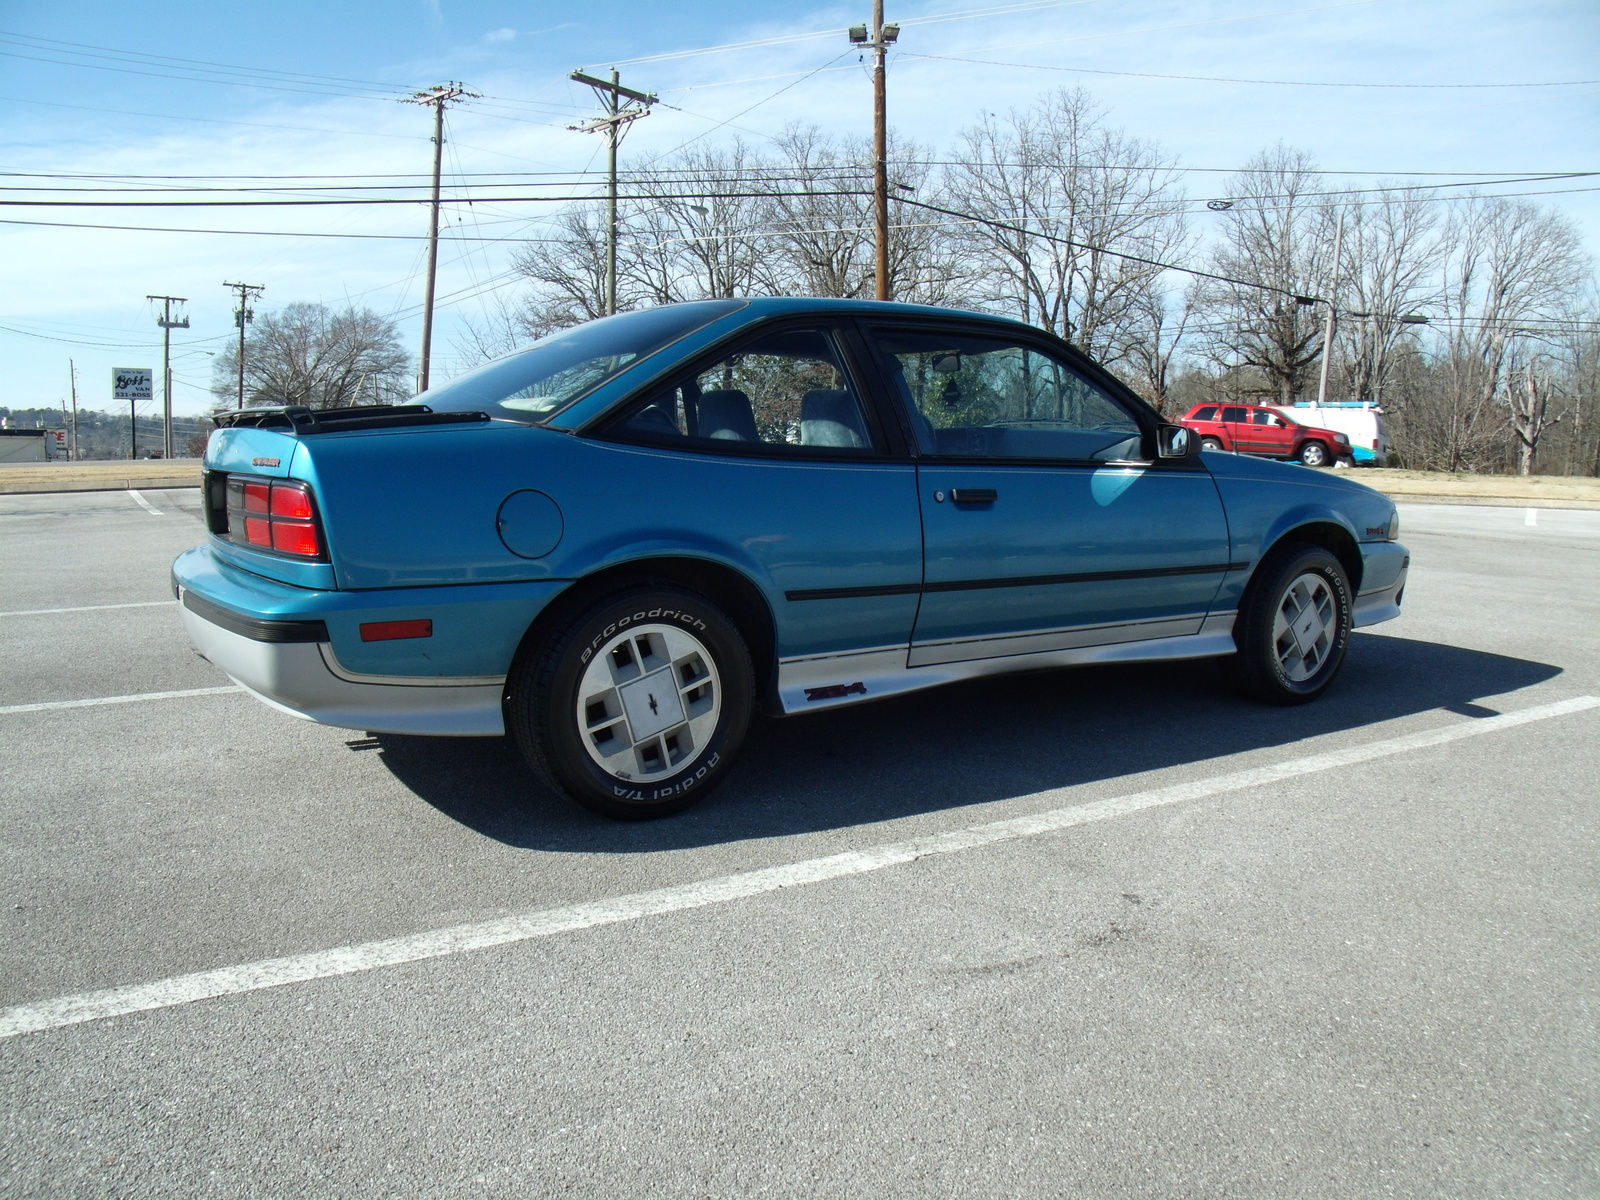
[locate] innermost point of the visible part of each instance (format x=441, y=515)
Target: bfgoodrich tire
x=1293, y=627
x=637, y=707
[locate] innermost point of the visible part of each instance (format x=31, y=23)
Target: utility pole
x=618, y=114
x=167, y=326
x=883, y=36
x=1327, y=333
x=438, y=96
x=72, y=370
x=241, y=317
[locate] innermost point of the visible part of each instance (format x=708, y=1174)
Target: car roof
x=780, y=305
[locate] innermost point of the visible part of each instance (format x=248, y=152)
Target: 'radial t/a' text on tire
x=637, y=707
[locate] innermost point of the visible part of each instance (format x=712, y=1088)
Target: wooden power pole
x=242, y=316
x=438, y=97
x=168, y=323
x=882, y=37
x=623, y=105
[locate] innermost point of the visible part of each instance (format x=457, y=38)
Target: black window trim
x=607, y=426
x=1143, y=415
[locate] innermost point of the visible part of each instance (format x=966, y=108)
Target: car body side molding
x=887, y=671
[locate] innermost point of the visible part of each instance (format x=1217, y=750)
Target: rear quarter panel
x=418, y=508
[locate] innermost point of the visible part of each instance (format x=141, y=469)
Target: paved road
x=1361, y=975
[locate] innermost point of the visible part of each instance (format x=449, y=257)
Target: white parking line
x=143, y=503
x=1530, y=516
x=458, y=939
x=48, y=705
x=45, y=612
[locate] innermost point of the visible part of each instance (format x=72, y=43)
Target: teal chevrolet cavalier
x=616, y=544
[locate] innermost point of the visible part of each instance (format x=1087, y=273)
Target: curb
x=98, y=485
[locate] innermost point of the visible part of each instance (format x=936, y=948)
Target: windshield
x=533, y=384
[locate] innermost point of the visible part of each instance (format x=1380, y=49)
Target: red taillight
x=295, y=537
x=290, y=500
x=273, y=514
x=394, y=631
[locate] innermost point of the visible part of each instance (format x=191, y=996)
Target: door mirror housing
x=1176, y=441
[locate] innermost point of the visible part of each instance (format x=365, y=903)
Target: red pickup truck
x=1254, y=429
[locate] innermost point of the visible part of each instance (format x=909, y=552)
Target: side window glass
x=1208, y=413
x=1237, y=416
x=786, y=390
x=991, y=397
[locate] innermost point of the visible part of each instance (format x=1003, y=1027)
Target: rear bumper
x=303, y=678
x=301, y=650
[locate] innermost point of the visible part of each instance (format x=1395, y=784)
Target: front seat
x=831, y=418
x=726, y=416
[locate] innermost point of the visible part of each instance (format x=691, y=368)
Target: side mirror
x=1176, y=441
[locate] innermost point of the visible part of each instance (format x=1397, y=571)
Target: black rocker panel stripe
x=968, y=585
x=257, y=629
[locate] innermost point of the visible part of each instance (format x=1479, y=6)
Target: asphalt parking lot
x=1104, y=933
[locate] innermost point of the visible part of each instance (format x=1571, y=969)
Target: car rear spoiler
x=299, y=419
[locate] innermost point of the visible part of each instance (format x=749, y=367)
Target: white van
x=1360, y=421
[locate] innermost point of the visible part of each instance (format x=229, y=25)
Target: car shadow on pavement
x=968, y=743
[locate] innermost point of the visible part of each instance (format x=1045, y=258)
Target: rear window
x=533, y=385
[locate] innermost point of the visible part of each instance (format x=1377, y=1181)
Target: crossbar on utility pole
x=242, y=316
x=438, y=97
x=618, y=115
x=167, y=326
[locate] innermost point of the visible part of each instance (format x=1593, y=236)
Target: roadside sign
x=132, y=383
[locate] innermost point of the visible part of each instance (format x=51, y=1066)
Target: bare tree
x=820, y=240
x=1055, y=193
x=505, y=325
x=1389, y=270
x=1511, y=265
x=1528, y=397
x=1154, y=343
x=1278, y=241
x=697, y=230
x=568, y=270
x=309, y=354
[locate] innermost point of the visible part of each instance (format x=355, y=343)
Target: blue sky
x=79, y=293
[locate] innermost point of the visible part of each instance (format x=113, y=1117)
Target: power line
x=1049, y=237
x=377, y=237
x=127, y=112
x=790, y=38
x=771, y=167
x=7, y=35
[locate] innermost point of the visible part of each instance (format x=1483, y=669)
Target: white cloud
x=506, y=34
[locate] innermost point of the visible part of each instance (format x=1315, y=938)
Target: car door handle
x=974, y=495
